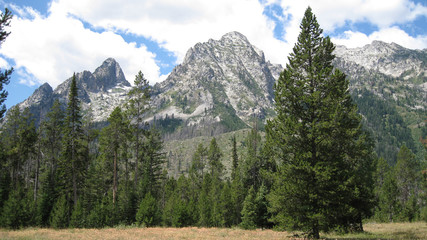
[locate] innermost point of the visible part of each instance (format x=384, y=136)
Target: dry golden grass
x=373, y=231
x=143, y=233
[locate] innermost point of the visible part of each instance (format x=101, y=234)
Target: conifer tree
x=388, y=203
x=154, y=158
x=249, y=211
x=214, y=159
x=252, y=164
x=51, y=130
x=205, y=203
x=72, y=164
x=5, y=18
x=199, y=161
x=148, y=213
x=407, y=174
x=235, y=158
x=318, y=134
x=238, y=190
x=138, y=105
x=112, y=139
x=20, y=135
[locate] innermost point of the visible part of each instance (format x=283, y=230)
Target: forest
x=315, y=171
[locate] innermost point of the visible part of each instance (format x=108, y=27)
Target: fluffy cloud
x=178, y=25
x=335, y=14
x=393, y=34
x=49, y=49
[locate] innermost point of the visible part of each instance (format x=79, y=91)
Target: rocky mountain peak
x=222, y=83
x=387, y=58
x=40, y=95
x=234, y=37
x=107, y=76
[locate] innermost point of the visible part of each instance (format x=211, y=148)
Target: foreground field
x=373, y=231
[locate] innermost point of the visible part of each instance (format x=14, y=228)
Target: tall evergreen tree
x=138, y=105
x=316, y=129
x=111, y=143
x=408, y=175
x=198, y=165
x=72, y=165
x=154, y=158
x=252, y=164
x=214, y=159
x=5, y=18
x=20, y=137
x=249, y=211
x=51, y=131
x=234, y=158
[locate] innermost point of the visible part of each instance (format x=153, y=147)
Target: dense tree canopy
x=322, y=147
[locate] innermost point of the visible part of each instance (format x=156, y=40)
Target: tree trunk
x=115, y=177
x=36, y=180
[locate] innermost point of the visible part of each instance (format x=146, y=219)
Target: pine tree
x=407, y=174
x=20, y=137
x=137, y=107
x=235, y=158
x=154, y=159
x=51, y=130
x=262, y=208
x=226, y=206
x=388, y=202
x=72, y=165
x=252, y=164
x=205, y=203
x=148, y=214
x=5, y=18
x=318, y=134
x=198, y=164
x=238, y=190
x=60, y=216
x=113, y=138
x=249, y=211
x=214, y=159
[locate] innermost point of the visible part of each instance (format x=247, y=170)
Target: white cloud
x=51, y=48
x=179, y=25
x=334, y=14
x=393, y=34
x=4, y=64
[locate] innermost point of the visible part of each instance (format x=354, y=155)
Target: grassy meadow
x=416, y=230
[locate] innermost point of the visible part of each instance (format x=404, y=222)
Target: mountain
x=227, y=84
x=100, y=91
x=220, y=87
x=389, y=84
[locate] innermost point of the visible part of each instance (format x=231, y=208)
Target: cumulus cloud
x=178, y=25
x=393, y=34
x=49, y=49
x=335, y=14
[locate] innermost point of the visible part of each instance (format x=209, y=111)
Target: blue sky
x=51, y=39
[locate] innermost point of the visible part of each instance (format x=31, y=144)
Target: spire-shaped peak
x=109, y=74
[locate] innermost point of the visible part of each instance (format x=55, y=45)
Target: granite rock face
x=101, y=91
x=227, y=84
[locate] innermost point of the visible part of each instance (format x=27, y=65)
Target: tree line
x=315, y=171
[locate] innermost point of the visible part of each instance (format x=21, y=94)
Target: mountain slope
x=227, y=84
x=101, y=91
x=220, y=86
x=389, y=85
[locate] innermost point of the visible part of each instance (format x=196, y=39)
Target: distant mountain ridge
x=101, y=91
x=227, y=84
